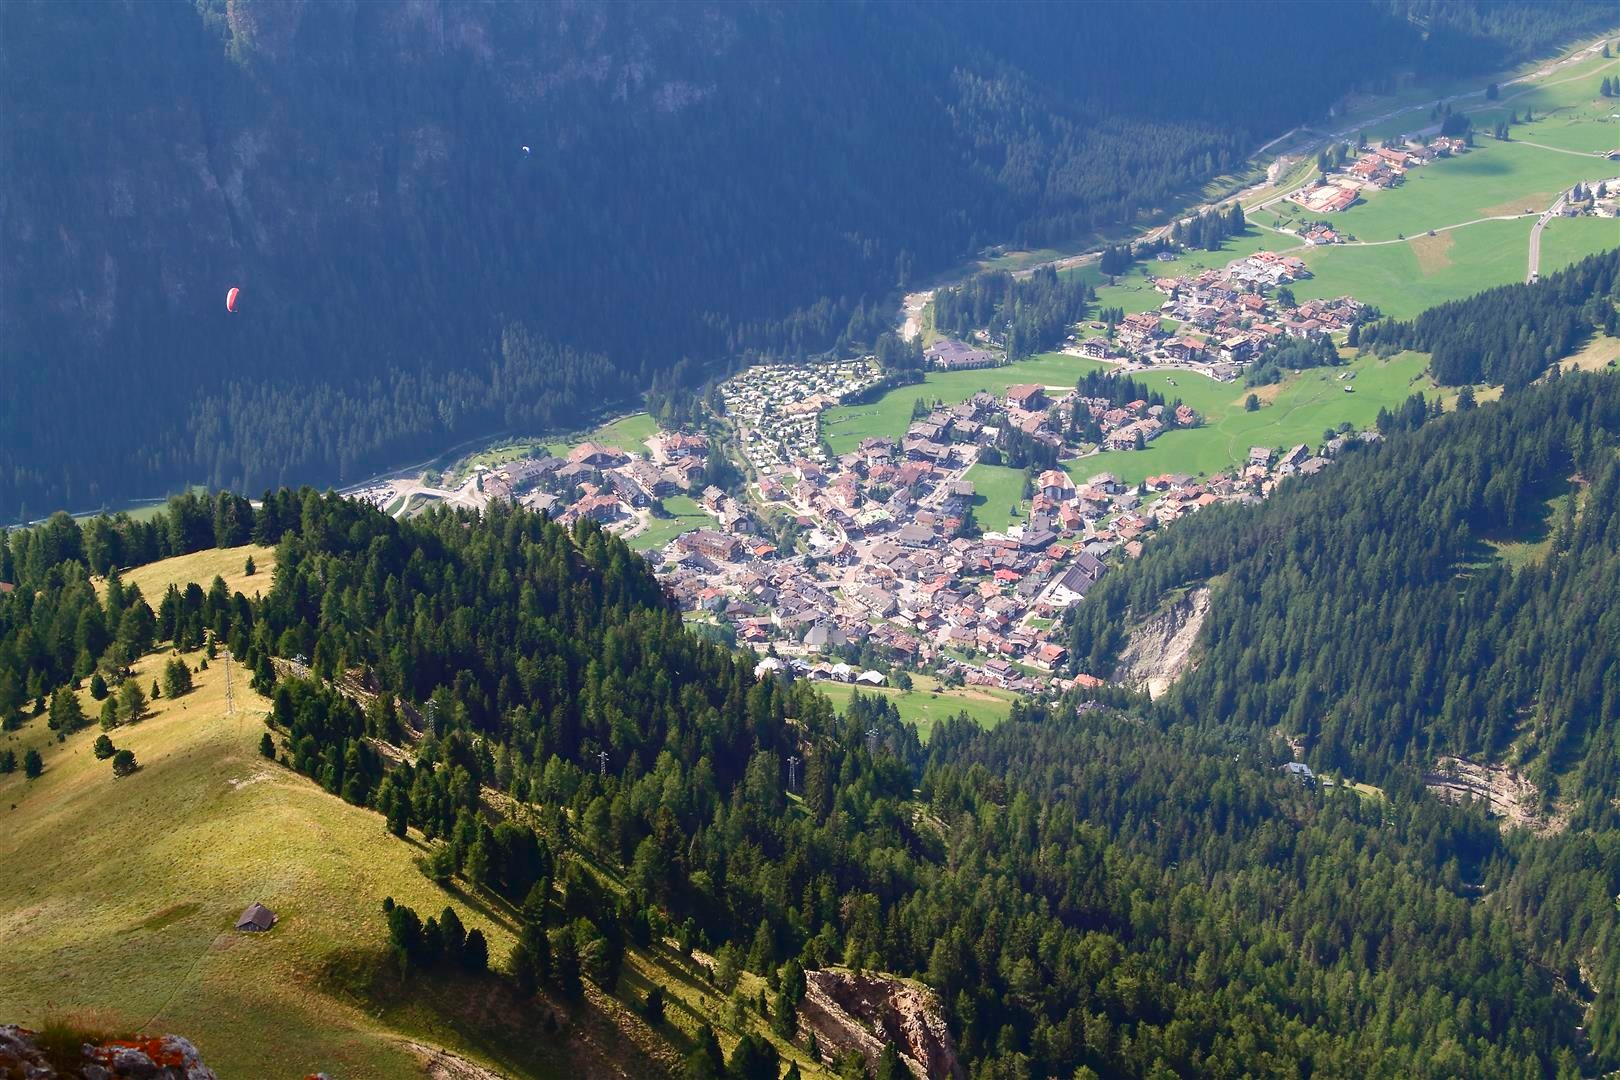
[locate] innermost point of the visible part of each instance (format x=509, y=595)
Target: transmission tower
x=793, y=772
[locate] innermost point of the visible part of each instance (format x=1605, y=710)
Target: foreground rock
x=865, y=1012
x=162, y=1057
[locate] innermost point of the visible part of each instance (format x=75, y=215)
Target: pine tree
x=33, y=764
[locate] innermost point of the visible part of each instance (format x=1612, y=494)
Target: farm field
x=687, y=516
x=202, y=567
x=998, y=499
x=1569, y=240
x=927, y=703
x=844, y=426
x=1299, y=410
x=1404, y=278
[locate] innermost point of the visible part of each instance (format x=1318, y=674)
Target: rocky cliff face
x=162, y=1057
x=866, y=1011
x=1161, y=647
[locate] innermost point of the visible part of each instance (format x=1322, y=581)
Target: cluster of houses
x=615, y=487
x=1219, y=320
x=890, y=572
x=1383, y=167
x=1599, y=199
x=776, y=407
x=891, y=577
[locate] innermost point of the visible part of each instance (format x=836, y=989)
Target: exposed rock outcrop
x=1160, y=648
x=866, y=1011
x=161, y=1057
x=1506, y=793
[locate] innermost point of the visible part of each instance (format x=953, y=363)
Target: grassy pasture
x=1569, y=240
x=628, y=433
x=997, y=491
x=1492, y=180
x=122, y=894
x=202, y=567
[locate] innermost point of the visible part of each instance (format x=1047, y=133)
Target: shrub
x=124, y=763
x=104, y=748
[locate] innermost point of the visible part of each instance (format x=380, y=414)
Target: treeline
x=1027, y=316
x=1512, y=333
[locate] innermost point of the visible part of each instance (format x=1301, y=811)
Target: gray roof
x=256, y=917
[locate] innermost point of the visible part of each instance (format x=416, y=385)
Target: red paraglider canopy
x=230, y=299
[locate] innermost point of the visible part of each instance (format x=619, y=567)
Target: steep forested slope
x=701, y=180
x=1088, y=894
x=1367, y=611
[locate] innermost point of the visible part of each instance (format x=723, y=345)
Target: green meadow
x=628, y=433
x=1404, y=278
x=1569, y=240
x=998, y=496
x=1297, y=410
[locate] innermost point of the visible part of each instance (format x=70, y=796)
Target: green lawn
x=1303, y=407
x=1569, y=240
x=927, y=703
x=1405, y=278
x=844, y=426
x=998, y=496
x=687, y=515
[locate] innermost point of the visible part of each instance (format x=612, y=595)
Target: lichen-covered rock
x=160, y=1057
